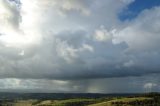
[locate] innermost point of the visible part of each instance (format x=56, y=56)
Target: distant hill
x=43, y=96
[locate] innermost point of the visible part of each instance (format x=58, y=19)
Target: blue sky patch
x=137, y=7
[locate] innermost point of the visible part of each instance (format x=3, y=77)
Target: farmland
x=151, y=99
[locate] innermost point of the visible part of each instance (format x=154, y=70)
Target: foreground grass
x=69, y=102
x=143, y=100
x=136, y=101
x=123, y=101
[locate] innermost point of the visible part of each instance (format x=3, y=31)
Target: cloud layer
x=63, y=41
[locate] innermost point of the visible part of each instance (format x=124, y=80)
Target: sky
x=80, y=46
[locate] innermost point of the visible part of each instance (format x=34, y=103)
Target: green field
x=141, y=100
x=136, y=101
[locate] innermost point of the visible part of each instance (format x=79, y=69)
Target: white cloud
x=10, y=17
x=75, y=5
x=142, y=34
x=71, y=49
x=102, y=35
x=150, y=87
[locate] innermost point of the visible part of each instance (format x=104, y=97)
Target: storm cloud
x=72, y=43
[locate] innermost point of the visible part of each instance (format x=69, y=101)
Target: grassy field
x=141, y=100
x=68, y=102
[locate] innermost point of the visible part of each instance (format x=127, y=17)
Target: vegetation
x=151, y=99
x=136, y=101
x=69, y=102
